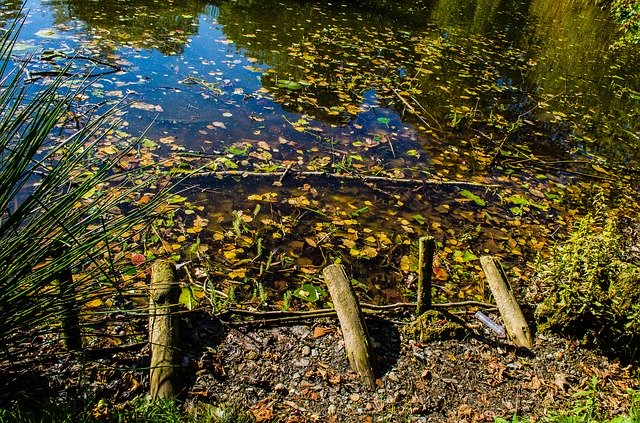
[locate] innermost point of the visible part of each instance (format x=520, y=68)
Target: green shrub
x=594, y=285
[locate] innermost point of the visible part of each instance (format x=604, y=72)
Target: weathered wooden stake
x=70, y=316
x=357, y=344
x=514, y=321
x=426, y=250
x=163, y=330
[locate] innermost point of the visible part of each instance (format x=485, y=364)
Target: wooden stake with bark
x=70, y=318
x=426, y=250
x=70, y=315
x=163, y=330
x=357, y=344
x=514, y=321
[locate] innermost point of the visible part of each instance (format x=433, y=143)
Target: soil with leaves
x=299, y=373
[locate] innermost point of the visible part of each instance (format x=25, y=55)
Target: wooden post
x=70, y=319
x=514, y=321
x=426, y=251
x=163, y=330
x=357, y=344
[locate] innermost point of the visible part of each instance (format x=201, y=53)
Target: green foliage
x=627, y=14
x=594, y=286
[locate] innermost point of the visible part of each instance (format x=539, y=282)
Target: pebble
x=393, y=377
x=306, y=351
x=280, y=388
x=332, y=410
x=354, y=397
x=303, y=362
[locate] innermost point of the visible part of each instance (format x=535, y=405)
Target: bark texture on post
x=163, y=330
x=514, y=321
x=356, y=338
x=426, y=250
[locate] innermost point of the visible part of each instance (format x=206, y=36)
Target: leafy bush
x=594, y=285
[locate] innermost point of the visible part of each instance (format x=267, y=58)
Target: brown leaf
x=263, y=411
x=137, y=259
x=560, y=380
x=320, y=331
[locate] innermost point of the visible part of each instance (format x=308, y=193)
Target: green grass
x=139, y=410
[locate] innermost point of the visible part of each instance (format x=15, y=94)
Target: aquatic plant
x=58, y=219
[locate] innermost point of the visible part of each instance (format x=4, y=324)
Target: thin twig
x=285, y=172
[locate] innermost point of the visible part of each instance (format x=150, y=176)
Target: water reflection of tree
x=485, y=59
x=164, y=26
x=338, y=52
x=9, y=9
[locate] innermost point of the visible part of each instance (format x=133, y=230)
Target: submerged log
x=514, y=321
x=163, y=330
x=357, y=344
x=426, y=250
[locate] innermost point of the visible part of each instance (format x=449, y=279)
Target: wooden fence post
x=163, y=330
x=514, y=321
x=357, y=344
x=70, y=317
x=426, y=251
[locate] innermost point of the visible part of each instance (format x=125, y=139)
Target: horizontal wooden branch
x=278, y=315
x=343, y=176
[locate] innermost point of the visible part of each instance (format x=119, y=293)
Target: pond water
x=526, y=97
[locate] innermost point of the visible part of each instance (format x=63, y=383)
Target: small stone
x=280, y=388
x=306, y=351
x=303, y=362
x=354, y=397
x=332, y=410
x=393, y=377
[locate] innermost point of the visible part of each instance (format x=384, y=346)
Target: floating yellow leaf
x=93, y=303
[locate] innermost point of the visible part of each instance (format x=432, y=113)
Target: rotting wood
x=163, y=330
x=356, y=338
x=514, y=321
x=426, y=251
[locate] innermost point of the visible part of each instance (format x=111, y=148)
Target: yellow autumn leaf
x=370, y=252
x=237, y=273
x=93, y=303
x=405, y=263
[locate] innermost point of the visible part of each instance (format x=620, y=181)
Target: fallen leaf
x=137, y=259
x=320, y=331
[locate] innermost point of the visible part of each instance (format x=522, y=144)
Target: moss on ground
x=433, y=325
